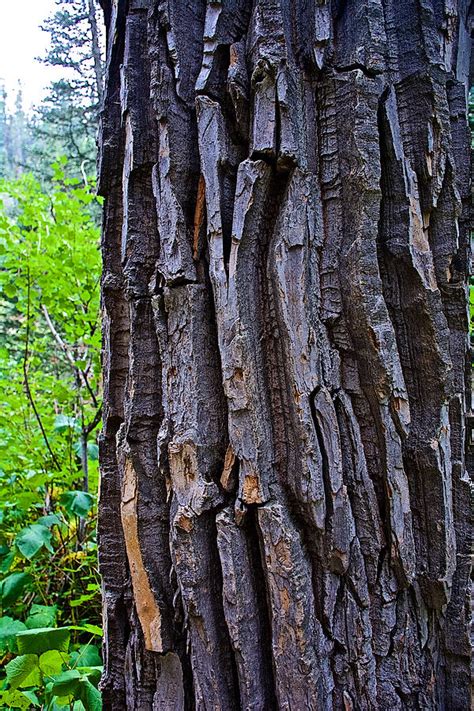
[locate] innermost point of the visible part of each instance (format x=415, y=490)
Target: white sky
x=21, y=41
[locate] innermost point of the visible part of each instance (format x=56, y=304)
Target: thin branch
x=98, y=71
x=29, y=394
x=83, y=172
x=94, y=422
x=80, y=375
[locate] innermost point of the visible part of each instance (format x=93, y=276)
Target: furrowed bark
x=284, y=507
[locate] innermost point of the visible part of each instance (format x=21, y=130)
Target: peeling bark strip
x=284, y=509
x=147, y=608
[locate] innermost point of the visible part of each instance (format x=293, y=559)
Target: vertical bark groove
x=284, y=499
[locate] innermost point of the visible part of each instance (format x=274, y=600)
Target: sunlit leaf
x=43, y=639
x=30, y=541
x=51, y=662
x=23, y=671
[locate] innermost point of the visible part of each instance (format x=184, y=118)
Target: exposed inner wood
x=147, y=607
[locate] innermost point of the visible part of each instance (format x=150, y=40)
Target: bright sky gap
x=21, y=41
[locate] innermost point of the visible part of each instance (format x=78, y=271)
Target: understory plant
x=50, y=409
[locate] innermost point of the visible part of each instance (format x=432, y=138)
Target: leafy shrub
x=50, y=409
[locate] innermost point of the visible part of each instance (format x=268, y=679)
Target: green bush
x=50, y=408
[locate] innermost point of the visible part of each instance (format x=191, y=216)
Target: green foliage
x=49, y=674
x=50, y=409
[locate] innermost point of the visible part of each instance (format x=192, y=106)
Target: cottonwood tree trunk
x=284, y=496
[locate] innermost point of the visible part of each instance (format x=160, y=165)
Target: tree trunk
x=96, y=53
x=284, y=498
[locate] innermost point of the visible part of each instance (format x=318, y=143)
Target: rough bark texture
x=284, y=500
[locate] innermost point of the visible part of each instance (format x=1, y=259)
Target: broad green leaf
x=92, y=450
x=23, y=671
x=65, y=684
x=41, y=616
x=51, y=662
x=77, y=502
x=32, y=697
x=24, y=500
x=93, y=629
x=89, y=695
x=16, y=700
x=43, y=639
x=6, y=563
x=8, y=630
x=87, y=655
x=92, y=673
x=9, y=290
x=13, y=586
x=63, y=701
x=49, y=520
x=31, y=539
x=62, y=423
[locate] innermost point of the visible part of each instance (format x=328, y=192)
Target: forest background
x=50, y=380
x=50, y=376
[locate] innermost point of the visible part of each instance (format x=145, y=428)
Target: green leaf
x=49, y=520
x=77, y=502
x=81, y=600
x=89, y=695
x=31, y=539
x=6, y=563
x=93, y=629
x=41, y=616
x=23, y=671
x=12, y=587
x=51, y=662
x=62, y=423
x=93, y=451
x=16, y=700
x=62, y=701
x=87, y=655
x=93, y=673
x=65, y=684
x=8, y=630
x=43, y=639
x=32, y=697
x=9, y=290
